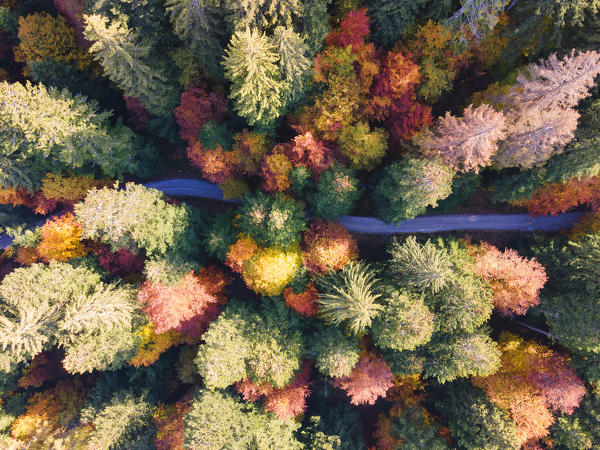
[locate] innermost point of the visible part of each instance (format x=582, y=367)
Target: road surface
x=181, y=187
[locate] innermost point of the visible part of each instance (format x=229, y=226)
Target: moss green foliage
x=579, y=430
x=406, y=189
x=363, y=147
x=218, y=420
x=335, y=353
x=473, y=420
x=214, y=134
x=335, y=194
x=464, y=185
x=415, y=430
x=338, y=425
x=45, y=129
x=272, y=220
x=350, y=297
x=404, y=323
x=137, y=218
x=218, y=235
x=8, y=20
x=58, y=304
x=264, y=345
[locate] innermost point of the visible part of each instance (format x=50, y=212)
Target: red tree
x=43, y=367
x=353, y=29
x=196, y=107
x=188, y=306
x=305, y=150
x=121, y=263
x=327, y=246
x=169, y=421
x=138, y=115
x=216, y=165
x=515, y=281
x=370, y=379
x=305, y=302
x=73, y=12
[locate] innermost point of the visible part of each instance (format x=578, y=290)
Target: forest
x=133, y=319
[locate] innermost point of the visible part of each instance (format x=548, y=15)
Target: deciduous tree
x=327, y=246
x=370, y=379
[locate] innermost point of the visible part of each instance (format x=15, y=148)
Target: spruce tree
x=125, y=59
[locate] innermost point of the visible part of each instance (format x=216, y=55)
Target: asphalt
x=183, y=187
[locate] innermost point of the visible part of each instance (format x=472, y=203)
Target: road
x=182, y=187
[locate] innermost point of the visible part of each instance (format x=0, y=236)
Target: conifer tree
x=293, y=62
x=250, y=63
x=197, y=23
x=125, y=59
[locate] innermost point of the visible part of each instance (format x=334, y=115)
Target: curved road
x=183, y=187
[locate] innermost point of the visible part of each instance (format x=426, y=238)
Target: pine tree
x=293, y=62
x=125, y=59
x=257, y=87
x=197, y=23
x=477, y=18
x=465, y=143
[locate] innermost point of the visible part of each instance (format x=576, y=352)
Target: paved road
x=369, y=225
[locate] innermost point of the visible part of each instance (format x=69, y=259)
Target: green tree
x=474, y=421
x=264, y=345
x=450, y=356
x=137, y=218
x=579, y=430
x=425, y=268
x=44, y=129
x=350, y=297
x=293, y=62
x=46, y=305
x=198, y=24
x=335, y=353
x=126, y=60
x=250, y=63
x=363, y=148
x=217, y=420
x=335, y=194
x=406, y=189
x=404, y=323
x=315, y=24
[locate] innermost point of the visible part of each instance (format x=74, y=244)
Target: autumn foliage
x=196, y=107
x=152, y=345
x=286, y=402
x=275, y=171
x=305, y=150
x=69, y=189
x=240, y=252
x=44, y=367
x=122, y=262
x=515, y=281
x=305, y=302
x=370, y=379
x=531, y=381
x=187, y=306
x=169, y=424
x=216, y=164
x=327, y=246
x=61, y=239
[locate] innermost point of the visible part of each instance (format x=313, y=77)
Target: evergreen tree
x=335, y=353
x=250, y=63
x=293, y=62
x=349, y=297
x=125, y=59
x=197, y=23
x=217, y=420
x=44, y=129
x=137, y=218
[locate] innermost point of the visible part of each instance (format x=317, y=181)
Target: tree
x=271, y=269
x=196, y=108
x=535, y=137
x=515, y=281
x=406, y=189
x=391, y=18
x=43, y=36
x=263, y=345
x=336, y=354
x=257, y=87
x=59, y=304
x=370, y=379
x=579, y=430
x=557, y=84
x=476, y=19
x=327, y=246
x=293, y=62
x=272, y=221
x=307, y=151
x=137, y=218
x=473, y=420
x=218, y=420
x=363, y=148
x=335, y=194
x=126, y=61
x=426, y=267
x=187, y=306
x=198, y=25
x=305, y=302
x=465, y=143
x=47, y=130
x=452, y=356
x=275, y=170
x=70, y=188
x=404, y=323
x=349, y=297
x=61, y=239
